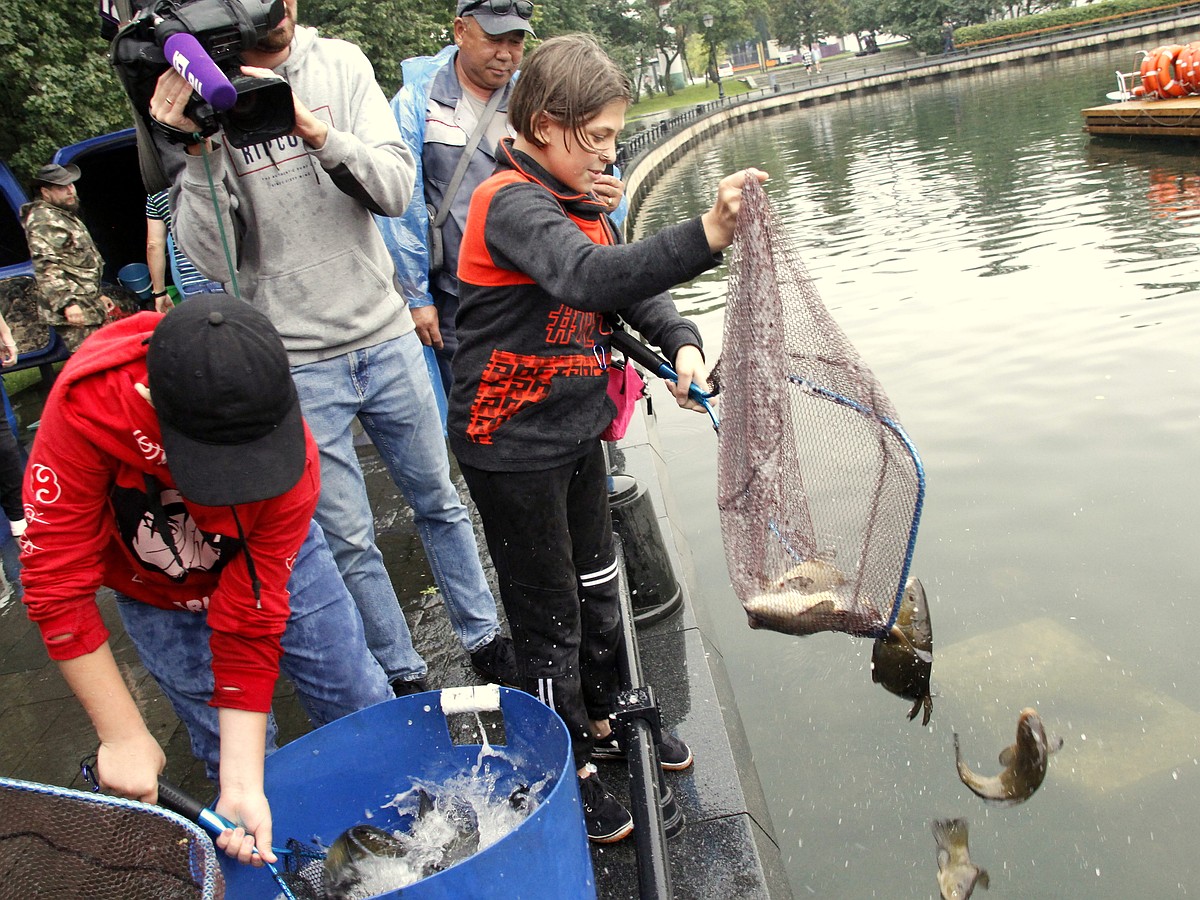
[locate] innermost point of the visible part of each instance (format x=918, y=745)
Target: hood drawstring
x=159, y=520
x=255, y=584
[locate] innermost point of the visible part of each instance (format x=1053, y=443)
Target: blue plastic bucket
x=136, y=277
x=342, y=775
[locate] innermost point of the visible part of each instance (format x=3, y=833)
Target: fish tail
x=950, y=832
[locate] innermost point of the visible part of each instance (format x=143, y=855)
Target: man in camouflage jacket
x=66, y=263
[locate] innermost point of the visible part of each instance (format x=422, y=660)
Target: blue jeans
x=388, y=388
x=324, y=653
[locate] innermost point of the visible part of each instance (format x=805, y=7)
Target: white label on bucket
x=470, y=699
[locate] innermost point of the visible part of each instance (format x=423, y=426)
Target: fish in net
x=819, y=488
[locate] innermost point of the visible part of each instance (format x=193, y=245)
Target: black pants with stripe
x=550, y=536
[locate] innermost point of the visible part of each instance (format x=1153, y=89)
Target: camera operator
x=310, y=257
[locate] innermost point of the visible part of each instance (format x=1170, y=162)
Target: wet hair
x=571, y=79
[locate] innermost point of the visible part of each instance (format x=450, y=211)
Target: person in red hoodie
x=172, y=465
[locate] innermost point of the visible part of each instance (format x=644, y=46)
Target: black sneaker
x=403, y=688
x=607, y=820
x=497, y=661
x=673, y=754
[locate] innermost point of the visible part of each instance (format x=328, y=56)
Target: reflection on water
x=1028, y=298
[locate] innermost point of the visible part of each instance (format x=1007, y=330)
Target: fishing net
x=819, y=488
x=61, y=843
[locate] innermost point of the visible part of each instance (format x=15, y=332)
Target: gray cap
x=56, y=174
x=483, y=12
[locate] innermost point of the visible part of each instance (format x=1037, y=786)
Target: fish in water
x=355, y=847
x=463, y=838
x=957, y=876
x=902, y=660
x=1024, y=764
x=442, y=833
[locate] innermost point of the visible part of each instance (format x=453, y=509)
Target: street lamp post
x=712, y=55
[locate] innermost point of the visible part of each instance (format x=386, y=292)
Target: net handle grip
x=176, y=799
x=640, y=353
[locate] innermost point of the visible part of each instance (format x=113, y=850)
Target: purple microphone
x=191, y=61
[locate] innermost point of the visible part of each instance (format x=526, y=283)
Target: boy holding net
x=540, y=269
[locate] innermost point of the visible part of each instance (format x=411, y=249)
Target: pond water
x=1028, y=297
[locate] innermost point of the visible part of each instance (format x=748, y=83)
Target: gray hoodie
x=306, y=249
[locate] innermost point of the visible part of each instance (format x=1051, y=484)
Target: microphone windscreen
x=191, y=61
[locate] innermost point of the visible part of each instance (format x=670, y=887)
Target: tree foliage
x=802, y=23
x=56, y=87
x=388, y=31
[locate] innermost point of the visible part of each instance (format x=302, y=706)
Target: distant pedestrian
x=806, y=56
x=947, y=36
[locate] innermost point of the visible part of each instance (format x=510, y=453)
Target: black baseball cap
x=226, y=403
x=498, y=16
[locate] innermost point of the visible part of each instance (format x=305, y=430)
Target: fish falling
x=1024, y=764
x=902, y=660
x=957, y=876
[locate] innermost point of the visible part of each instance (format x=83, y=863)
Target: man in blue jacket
x=443, y=99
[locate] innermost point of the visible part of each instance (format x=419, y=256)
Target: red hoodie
x=101, y=503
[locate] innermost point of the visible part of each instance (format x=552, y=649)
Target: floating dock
x=1174, y=118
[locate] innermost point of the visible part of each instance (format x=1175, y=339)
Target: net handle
x=176, y=799
x=640, y=353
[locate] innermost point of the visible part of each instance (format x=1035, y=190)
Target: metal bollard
x=654, y=590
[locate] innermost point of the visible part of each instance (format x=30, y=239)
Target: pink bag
x=625, y=389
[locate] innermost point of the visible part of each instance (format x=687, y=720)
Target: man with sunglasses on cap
x=450, y=102
x=66, y=264
x=173, y=466
x=296, y=214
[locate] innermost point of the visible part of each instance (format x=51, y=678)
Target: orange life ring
x=1149, y=73
x=1169, y=84
x=1187, y=67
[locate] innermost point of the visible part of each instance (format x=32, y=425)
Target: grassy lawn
x=686, y=96
x=18, y=381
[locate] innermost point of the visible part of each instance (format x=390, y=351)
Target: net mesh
x=60, y=843
x=819, y=488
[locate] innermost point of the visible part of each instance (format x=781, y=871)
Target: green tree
x=804, y=22
x=388, y=31
x=56, y=86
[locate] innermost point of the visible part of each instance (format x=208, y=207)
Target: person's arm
x=10, y=345
x=242, y=799
x=407, y=235
x=66, y=486
x=193, y=192
x=129, y=759
x=247, y=623
x=369, y=160
x=156, y=261
x=526, y=231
